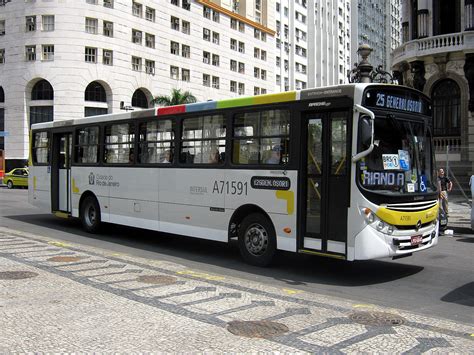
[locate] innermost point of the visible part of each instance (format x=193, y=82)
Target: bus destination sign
x=397, y=100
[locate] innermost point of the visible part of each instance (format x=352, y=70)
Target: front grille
x=405, y=228
x=412, y=206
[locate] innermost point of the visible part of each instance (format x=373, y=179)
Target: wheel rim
x=90, y=215
x=256, y=239
x=10, y=184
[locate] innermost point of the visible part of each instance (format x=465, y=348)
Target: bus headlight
x=376, y=223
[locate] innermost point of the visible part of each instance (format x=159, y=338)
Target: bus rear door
x=325, y=181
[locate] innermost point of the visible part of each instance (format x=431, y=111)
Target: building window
x=92, y=2
x=206, y=57
x=186, y=27
x=39, y=114
x=185, y=51
x=233, y=86
x=215, y=16
x=215, y=82
x=206, y=34
x=241, y=68
x=42, y=90
x=95, y=92
x=150, y=14
x=186, y=5
x=91, y=55
x=137, y=9
x=149, y=40
x=136, y=36
x=233, y=44
x=241, y=47
x=108, y=29
x=241, y=89
x=48, y=22
x=233, y=23
x=2, y=27
x=139, y=99
x=206, y=80
x=2, y=56
x=109, y=4
x=136, y=63
x=95, y=111
x=92, y=25
x=263, y=55
x=174, y=72
x=256, y=90
x=256, y=72
x=30, y=23
x=206, y=12
x=149, y=67
x=174, y=48
x=215, y=60
x=233, y=65
x=446, y=97
x=30, y=52
x=108, y=57
x=185, y=75
x=241, y=27
x=47, y=52
x=215, y=37
x=175, y=23
x=263, y=74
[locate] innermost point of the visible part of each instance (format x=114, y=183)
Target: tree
x=176, y=98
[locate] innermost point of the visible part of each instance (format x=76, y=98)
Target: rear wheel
x=10, y=184
x=257, y=240
x=90, y=214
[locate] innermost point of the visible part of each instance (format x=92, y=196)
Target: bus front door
x=61, y=172
x=326, y=182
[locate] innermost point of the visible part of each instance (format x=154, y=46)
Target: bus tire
x=257, y=240
x=90, y=214
x=10, y=184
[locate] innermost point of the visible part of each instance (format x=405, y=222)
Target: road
x=437, y=283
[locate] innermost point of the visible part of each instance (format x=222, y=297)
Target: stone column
x=469, y=74
x=418, y=70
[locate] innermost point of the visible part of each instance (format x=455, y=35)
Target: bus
x=345, y=172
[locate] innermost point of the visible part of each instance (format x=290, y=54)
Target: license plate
x=416, y=240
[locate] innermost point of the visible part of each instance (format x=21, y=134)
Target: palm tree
x=176, y=98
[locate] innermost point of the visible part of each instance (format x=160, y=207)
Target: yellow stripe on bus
x=289, y=196
x=75, y=189
x=407, y=218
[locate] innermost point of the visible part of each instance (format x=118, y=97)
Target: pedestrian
x=444, y=186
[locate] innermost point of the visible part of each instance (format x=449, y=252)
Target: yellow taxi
x=16, y=178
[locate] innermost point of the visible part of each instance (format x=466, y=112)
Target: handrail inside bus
x=358, y=156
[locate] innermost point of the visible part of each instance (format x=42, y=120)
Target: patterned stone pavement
x=56, y=297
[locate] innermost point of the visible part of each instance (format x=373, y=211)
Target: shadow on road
x=290, y=268
x=463, y=295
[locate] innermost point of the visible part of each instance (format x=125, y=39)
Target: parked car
x=16, y=178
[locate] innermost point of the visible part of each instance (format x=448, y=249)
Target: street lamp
x=364, y=72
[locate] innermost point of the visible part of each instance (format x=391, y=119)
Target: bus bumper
x=372, y=244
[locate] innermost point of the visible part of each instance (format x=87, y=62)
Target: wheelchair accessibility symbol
x=423, y=183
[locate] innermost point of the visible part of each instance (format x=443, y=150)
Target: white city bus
x=344, y=171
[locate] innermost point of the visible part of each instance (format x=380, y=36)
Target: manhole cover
x=65, y=259
x=257, y=329
x=157, y=279
x=377, y=318
x=17, y=275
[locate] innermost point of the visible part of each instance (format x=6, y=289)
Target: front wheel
x=257, y=240
x=90, y=214
x=10, y=184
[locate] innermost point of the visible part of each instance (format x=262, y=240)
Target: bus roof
x=306, y=94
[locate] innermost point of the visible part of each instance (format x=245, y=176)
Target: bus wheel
x=90, y=214
x=10, y=184
x=257, y=241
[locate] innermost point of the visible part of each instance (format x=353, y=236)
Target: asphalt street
x=436, y=283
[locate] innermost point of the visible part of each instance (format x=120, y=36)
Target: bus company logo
x=91, y=179
x=418, y=225
x=319, y=104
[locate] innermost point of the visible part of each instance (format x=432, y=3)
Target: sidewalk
x=56, y=297
x=459, y=215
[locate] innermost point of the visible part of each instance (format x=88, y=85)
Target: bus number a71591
x=230, y=187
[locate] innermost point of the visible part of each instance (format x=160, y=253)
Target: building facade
x=437, y=57
x=312, y=43
x=378, y=24
x=65, y=59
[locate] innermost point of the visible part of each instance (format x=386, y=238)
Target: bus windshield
x=402, y=159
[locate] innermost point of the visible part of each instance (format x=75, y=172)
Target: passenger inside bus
x=275, y=157
x=167, y=157
x=214, y=156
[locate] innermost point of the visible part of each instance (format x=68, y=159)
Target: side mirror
x=365, y=130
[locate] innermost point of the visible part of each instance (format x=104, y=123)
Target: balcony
x=453, y=42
